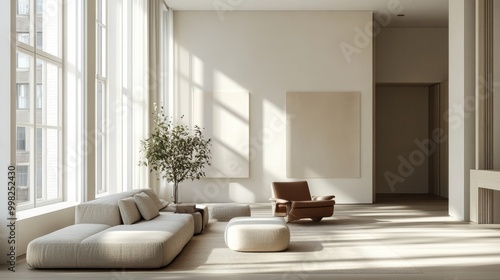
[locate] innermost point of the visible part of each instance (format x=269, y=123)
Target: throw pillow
x=155, y=198
x=146, y=206
x=128, y=210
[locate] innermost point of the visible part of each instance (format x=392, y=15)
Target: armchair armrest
x=279, y=200
x=312, y=203
x=278, y=203
x=325, y=197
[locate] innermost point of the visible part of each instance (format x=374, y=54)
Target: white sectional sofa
x=100, y=239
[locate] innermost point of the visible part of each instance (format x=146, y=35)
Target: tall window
x=101, y=97
x=39, y=102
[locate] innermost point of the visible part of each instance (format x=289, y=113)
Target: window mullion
x=50, y=58
x=33, y=132
x=26, y=47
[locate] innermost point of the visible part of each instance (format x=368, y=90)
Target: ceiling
x=417, y=13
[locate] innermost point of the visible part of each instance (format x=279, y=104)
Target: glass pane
x=100, y=164
x=23, y=179
x=39, y=163
x=48, y=91
x=100, y=138
x=100, y=105
x=101, y=11
x=47, y=164
x=23, y=96
x=39, y=40
x=39, y=96
x=23, y=7
x=52, y=162
x=48, y=26
x=23, y=88
x=21, y=138
x=23, y=37
x=101, y=51
x=23, y=24
x=23, y=61
x=22, y=184
x=39, y=7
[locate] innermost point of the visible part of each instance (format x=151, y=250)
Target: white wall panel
x=225, y=119
x=323, y=135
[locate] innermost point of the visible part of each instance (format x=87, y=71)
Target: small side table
x=226, y=211
x=198, y=211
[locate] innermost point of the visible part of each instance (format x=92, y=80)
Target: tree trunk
x=176, y=188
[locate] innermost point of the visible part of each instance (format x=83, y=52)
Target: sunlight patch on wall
x=238, y=191
x=225, y=118
x=323, y=134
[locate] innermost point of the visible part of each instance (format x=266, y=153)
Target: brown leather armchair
x=293, y=201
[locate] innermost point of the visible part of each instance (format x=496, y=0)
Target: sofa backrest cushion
x=155, y=198
x=128, y=211
x=104, y=210
x=146, y=206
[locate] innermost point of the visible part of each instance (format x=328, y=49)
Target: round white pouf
x=227, y=211
x=251, y=234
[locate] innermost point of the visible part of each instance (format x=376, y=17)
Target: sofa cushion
x=91, y=212
x=60, y=248
x=155, y=198
x=128, y=210
x=146, y=206
x=145, y=244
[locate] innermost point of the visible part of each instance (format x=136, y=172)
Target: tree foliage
x=175, y=151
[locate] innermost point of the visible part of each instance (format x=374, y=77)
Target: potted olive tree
x=175, y=151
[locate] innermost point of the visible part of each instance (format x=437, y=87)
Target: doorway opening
x=411, y=142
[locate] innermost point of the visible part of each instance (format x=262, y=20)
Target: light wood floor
x=412, y=232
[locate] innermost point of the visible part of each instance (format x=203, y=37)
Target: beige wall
x=7, y=139
x=496, y=100
x=412, y=55
x=496, y=81
x=402, y=115
x=268, y=54
x=30, y=228
x=461, y=104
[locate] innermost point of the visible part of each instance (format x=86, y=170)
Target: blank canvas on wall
x=323, y=134
x=225, y=117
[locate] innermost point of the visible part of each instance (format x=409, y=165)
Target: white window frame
x=101, y=105
x=32, y=125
